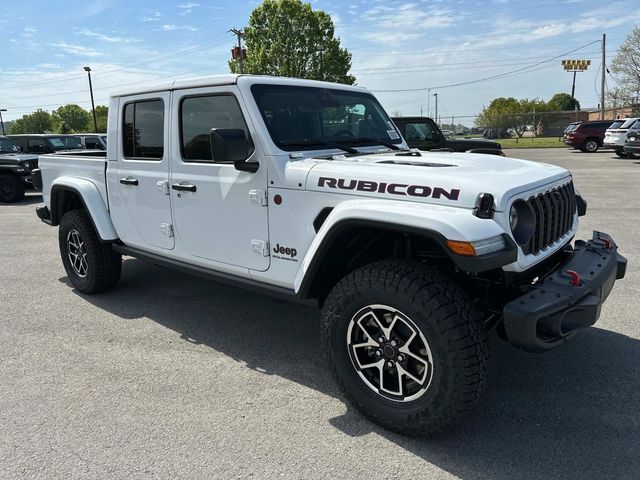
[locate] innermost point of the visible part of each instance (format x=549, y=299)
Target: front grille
x=554, y=211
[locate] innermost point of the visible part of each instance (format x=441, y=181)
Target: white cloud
x=77, y=49
x=154, y=17
x=108, y=38
x=170, y=28
x=28, y=32
x=187, y=7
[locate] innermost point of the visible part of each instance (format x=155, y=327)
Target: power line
x=492, y=77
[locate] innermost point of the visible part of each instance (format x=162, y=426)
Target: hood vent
x=417, y=164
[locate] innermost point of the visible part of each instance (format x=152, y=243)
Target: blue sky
x=396, y=45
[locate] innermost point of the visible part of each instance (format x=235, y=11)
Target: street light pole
x=93, y=106
x=436, y=95
x=1, y=121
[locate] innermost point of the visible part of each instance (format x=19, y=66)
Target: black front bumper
x=566, y=300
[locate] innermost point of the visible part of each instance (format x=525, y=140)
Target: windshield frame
x=312, y=141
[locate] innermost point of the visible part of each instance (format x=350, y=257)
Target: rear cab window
x=143, y=130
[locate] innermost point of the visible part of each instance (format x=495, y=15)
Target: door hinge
x=163, y=186
x=167, y=229
x=260, y=246
x=258, y=196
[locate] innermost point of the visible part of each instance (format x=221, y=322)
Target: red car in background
x=587, y=136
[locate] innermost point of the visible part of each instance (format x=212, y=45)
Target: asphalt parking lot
x=172, y=376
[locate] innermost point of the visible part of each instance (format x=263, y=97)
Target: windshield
x=7, y=146
x=65, y=143
x=308, y=118
x=635, y=126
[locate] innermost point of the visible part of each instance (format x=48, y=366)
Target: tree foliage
x=66, y=119
x=625, y=67
x=563, y=102
x=510, y=113
x=284, y=38
x=519, y=115
x=71, y=118
x=36, y=122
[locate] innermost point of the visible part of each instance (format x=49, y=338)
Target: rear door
x=141, y=206
x=220, y=213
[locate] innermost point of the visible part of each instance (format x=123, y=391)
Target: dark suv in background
x=46, y=143
x=587, y=136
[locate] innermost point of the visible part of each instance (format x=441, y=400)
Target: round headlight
x=522, y=221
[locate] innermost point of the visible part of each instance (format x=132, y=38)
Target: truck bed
x=90, y=165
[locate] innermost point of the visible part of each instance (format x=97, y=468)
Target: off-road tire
x=591, y=145
x=621, y=153
x=103, y=265
x=11, y=189
x=447, y=319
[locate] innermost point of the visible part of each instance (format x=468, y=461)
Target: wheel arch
x=74, y=193
x=369, y=231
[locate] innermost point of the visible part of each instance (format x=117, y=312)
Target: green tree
x=102, y=112
x=71, y=118
x=563, y=102
x=625, y=68
x=36, y=122
x=284, y=38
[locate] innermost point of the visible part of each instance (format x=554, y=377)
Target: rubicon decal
x=392, y=188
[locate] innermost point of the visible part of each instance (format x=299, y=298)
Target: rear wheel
x=620, y=153
x=91, y=265
x=590, y=146
x=11, y=189
x=406, y=346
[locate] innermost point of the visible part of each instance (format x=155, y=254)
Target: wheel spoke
x=406, y=351
x=402, y=371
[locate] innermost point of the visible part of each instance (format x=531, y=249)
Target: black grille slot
x=554, y=211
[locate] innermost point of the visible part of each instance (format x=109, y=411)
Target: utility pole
x=238, y=53
x=428, y=102
x=604, y=70
x=436, y=95
x=1, y=121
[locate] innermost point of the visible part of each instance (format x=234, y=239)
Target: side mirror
x=231, y=145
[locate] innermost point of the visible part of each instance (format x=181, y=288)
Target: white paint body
x=217, y=226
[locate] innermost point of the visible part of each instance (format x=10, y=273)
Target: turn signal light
x=462, y=248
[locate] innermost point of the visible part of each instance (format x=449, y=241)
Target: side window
x=91, y=143
x=198, y=115
x=143, y=130
x=37, y=146
x=419, y=131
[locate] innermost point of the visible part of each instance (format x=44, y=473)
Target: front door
x=141, y=210
x=220, y=213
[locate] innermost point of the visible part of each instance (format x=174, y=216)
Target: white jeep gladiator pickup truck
x=307, y=190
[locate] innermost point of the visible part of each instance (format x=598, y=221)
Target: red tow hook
x=607, y=244
x=575, y=277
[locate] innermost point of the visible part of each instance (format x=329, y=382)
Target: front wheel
x=11, y=189
x=406, y=346
x=620, y=153
x=91, y=265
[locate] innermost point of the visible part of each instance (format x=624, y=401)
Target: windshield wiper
x=378, y=141
x=310, y=142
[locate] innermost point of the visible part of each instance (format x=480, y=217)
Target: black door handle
x=129, y=181
x=184, y=187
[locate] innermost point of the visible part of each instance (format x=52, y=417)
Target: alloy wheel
x=77, y=253
x=390, y=353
